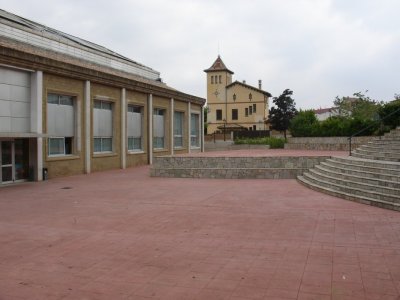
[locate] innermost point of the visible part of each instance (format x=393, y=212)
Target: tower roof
x=218, y=65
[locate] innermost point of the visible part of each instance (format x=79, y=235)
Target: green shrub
x=304, y=123
x=387, y=109
x=273, y=142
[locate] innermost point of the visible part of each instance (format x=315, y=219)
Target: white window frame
x=157, y=111
x=104, y=105
x=197, y=136
x=61, y=100
x=63, y=153
x=179, y=135
x=132, y=150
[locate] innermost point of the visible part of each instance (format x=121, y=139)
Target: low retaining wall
x=326, y=143
x=284, y=167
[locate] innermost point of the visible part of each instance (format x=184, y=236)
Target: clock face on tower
x=216, y=93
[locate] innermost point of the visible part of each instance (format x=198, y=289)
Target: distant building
x=234, y=105
x=324, y=113
x=69, y=106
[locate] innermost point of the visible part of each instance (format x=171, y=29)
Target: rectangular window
x=220, y=77
x=219, y=114
x=60, y=146
x=250, y=110
x=234, y=114
x=135, y=128
x=194, y=130
x=60, y=124
x=102, y=144
x=102, y=126
x=178, y=129
x=246, y=112
x=254, y=108
x=158, y=128
x=212, y=79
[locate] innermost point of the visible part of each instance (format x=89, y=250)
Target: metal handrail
x=362, y=130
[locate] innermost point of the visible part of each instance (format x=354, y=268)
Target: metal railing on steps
x=368, y=127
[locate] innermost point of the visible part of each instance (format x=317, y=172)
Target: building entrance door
x=14, y=160
x=6, y=151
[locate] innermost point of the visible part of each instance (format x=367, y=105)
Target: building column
x=189, y=118
x=36, y=120
x=123, y=128
x=88, y=135
x=202, y=129
x=172, y=126
x=150, y=127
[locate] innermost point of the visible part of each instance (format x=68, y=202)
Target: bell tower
x=218, y=77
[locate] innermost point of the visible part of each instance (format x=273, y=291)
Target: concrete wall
x=15, y=103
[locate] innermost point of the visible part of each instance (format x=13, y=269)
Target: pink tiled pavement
x=123, y=235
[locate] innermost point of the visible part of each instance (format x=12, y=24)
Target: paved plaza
x=124, y=235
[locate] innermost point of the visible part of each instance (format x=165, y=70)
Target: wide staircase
x=371, y=175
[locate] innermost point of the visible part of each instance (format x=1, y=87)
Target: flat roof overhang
x=23, y=135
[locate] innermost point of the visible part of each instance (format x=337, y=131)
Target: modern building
x=233, y=105
x=69, y=106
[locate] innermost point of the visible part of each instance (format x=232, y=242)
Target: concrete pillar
x=36, y=119
x=172, y=126
x=202, y=129
x=150, y=127
x=88, y=135
x=123, y=129
x=188, y=133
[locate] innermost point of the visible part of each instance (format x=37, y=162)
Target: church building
x=234, y=106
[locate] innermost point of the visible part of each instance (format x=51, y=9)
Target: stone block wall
x=233, y=167
x=326, y=143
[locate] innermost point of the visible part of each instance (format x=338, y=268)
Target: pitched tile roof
x=249, y=87
x=218, y=65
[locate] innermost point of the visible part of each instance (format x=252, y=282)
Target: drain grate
x=66, y=188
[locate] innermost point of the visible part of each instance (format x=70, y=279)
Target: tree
x=304, y=123
x=359, y=106
x=391, y=111
x=284, y=111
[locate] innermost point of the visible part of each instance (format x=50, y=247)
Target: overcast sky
x=318, y=48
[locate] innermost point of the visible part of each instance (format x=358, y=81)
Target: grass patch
x=273, y=142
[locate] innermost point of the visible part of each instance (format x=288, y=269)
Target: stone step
x=341, y=174
x=368, y=172
x=393, y=133
x=367, y=162
x=375, y=157
x=353, y=189
x=383, y=153
x=350, y=182
x=348, y=196
x=385, y=141
x=380, y=147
